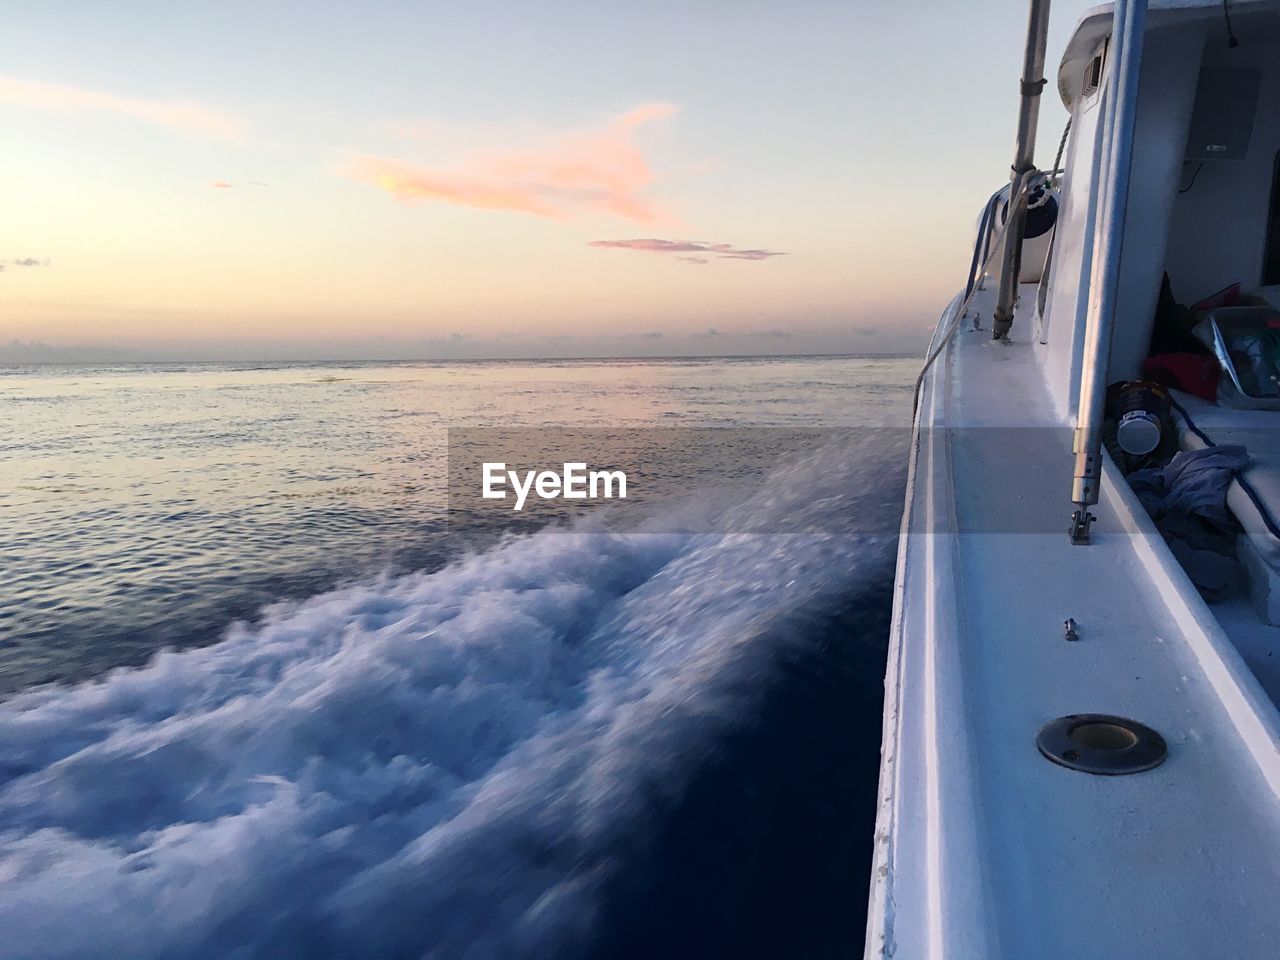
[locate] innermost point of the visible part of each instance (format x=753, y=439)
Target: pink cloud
x=720, y=251
x=220, y=185
x=181, y=115
x=584, y=172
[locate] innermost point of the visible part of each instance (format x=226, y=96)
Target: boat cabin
x=1201, y=243
x=1204, y=193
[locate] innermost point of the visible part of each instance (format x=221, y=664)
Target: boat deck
x=1008, y=854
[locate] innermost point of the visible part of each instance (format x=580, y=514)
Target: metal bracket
x=1079, y=529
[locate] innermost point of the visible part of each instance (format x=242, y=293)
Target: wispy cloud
x=599, y=171
x=24, y=262
x=220, y=185
x=183, y=115
x=693, y=251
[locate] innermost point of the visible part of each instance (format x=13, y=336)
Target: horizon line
x=545, y=359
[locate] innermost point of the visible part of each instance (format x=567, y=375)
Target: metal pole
x=1127, y=31
x=1024, y=154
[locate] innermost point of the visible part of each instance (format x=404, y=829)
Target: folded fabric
x=1187, y=499
x=1193, y=482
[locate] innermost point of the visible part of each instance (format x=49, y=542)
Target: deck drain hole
x=1103, y=736
x=1100, y=743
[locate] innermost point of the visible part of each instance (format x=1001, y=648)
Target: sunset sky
x=519, y=179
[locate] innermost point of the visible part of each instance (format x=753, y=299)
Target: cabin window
x=1092, y=76
x=1271, y=263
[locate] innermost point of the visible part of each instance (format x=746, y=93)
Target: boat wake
x=486, y=761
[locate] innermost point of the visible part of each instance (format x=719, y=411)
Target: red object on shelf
x=1194, y=373
x=1226, y=297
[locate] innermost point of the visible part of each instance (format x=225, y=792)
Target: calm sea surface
x=260, y=703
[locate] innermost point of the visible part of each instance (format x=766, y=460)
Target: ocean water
x=264, y=696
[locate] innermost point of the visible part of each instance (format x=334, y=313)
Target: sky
x=437, y=179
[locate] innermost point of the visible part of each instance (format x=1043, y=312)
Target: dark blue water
x=766, y=851
x=585, y=743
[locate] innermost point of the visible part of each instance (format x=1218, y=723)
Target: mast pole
x=1023, y=165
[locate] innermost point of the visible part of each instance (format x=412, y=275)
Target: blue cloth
x=1187, y=499
x=1194, y=482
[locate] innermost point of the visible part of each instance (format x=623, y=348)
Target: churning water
x=571, y=743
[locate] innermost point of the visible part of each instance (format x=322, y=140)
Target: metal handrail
x=978, y=263
x=982, y=248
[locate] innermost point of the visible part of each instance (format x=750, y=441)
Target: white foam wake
x=436, y=765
